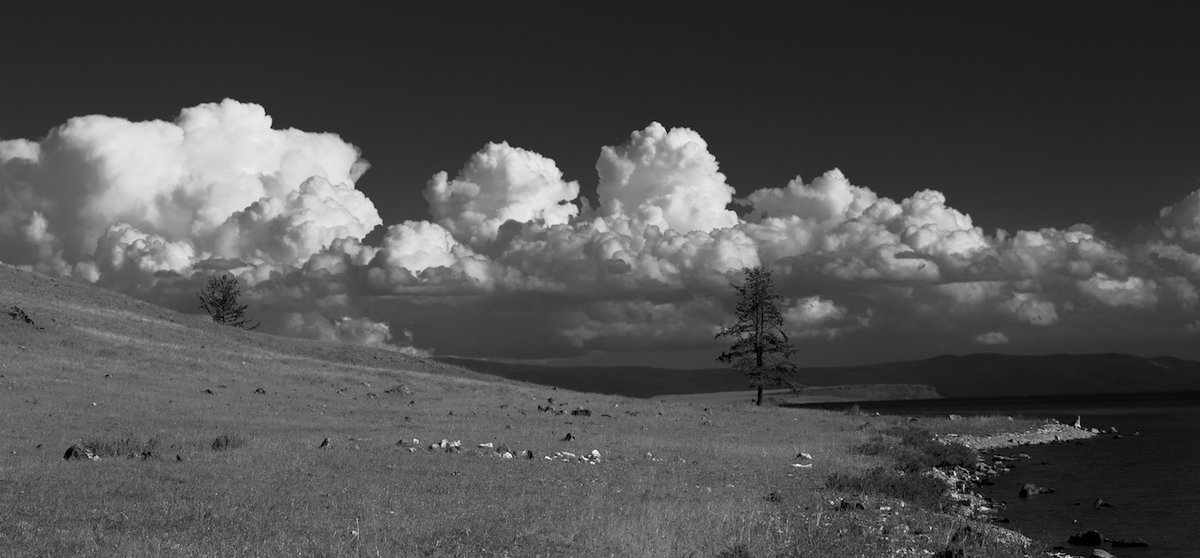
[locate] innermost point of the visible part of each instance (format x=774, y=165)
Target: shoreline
x=964, y=483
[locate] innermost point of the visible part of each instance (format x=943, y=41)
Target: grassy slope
x=107, y=366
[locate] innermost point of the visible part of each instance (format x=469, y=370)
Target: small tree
x=219, y=298
x=761, y=349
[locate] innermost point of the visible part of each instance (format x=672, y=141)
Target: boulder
x=568, y=437
x=1078, y=422
x=77, y=451
x=1086, y=538
x=1031, y=489
x=324, y=444
x=581, y=412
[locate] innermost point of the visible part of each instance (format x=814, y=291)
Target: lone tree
x=761, y=349
x=219, y=298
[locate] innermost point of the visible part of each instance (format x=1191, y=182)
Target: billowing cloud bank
x=513, y=262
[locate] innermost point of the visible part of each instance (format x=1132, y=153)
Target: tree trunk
x=759, y=401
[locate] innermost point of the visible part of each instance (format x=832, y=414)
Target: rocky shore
x=964, y=482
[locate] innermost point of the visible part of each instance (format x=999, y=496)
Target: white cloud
x=500, y=183
x=512, y=252
x=666, y=179
x=1030, y=309
x=992, y=338
x=1132, y=292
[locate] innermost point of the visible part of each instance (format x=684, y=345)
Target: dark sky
x=1025, y=115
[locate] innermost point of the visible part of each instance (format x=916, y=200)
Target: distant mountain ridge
x=953, y=376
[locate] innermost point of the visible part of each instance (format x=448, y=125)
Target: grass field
x=209, y=440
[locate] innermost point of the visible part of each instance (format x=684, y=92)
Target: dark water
x=1151, y=479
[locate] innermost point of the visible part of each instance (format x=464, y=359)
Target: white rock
x=488, y=445
x=595, y=454
x=802, y=465
x=804, y=455
x=507, y=455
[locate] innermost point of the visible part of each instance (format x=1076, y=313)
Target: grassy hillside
x=210, y=441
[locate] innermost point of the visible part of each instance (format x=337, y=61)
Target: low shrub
x=227, y=442
x=917, y=489
x=735, y=551
x=915, y=450
x=126, y=445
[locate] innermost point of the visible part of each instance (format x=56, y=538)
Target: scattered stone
x=1128, y=543
x=399, y=388
x=79, y=452
x=803, y=455
x=527, y=454
x=1100, y=504
x=260, y=391
x=773, y=497
x=20, y=315
x=568, y=437
x=581, y=412
x=1101, y=553
x=1086, y=538
x=178, y=457
x=955, y=417
x=503, y=448
x=208, y=391
x=324, y=444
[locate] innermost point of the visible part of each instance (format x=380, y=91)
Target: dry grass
x=131, y=378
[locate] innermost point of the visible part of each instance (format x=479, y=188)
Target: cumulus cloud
x=814, y=316
x=514, y=254
x=500, y=184
x=218, y=182
x=1132, y=292
x=992, y=338
x=1030, y=309
x=667, y=179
